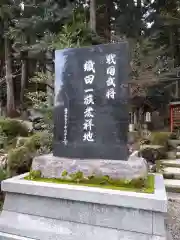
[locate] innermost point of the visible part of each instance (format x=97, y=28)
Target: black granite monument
x=91, y=96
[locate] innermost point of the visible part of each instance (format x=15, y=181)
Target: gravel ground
x=173, y=219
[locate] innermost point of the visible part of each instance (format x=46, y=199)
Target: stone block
x=153, y=202
x=47, y=211
x=159, y=224
x=53, y=167
x=36, y=227
x=81, y=212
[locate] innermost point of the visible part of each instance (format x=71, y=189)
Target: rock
x=174, y=142
x=28, y=124
x=152, y=167
x=3, y=161
x=155, y=147
x=39, y=126
x=152, y=153
x=171, y=154
x=20, y=141
x=132, y=137
x=34, y=115
x=53, y=167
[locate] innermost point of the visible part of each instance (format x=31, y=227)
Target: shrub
x=20, y=141
x=144, y=141
x=13, y=128
x=3, y=174
x=160, y=138
x=3, y=140
x=173, y=136
x=152, y=154
x=39, y=140
x=176, y=133
x=34, y=142
x=19, y=160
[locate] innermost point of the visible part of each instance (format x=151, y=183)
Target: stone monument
x=91, y=97
x=91, y=114
x=90, y=135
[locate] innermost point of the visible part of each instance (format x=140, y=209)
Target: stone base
x=48, y=211
x=53, y=167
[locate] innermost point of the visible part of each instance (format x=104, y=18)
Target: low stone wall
x=44, y=211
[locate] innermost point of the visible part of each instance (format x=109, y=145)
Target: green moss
x=34, y=174
x=138, y=185
x=64, y=173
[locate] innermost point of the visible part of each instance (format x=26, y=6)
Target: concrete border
x=156, y=202
x=6, y=236
x=38, y=210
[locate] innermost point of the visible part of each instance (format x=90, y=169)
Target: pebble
x=173, y=219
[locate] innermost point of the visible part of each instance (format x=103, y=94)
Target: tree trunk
x=139, y=18
x=49, y=71
x=100, y=18
x=93, y=15
x=177, y=89
x=24, y=74
x=10, y=105
x=176, y=46
x=103, y=19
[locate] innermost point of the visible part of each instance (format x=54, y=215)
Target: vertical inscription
x=65, y=126
x=89, y=67
x=111, y=71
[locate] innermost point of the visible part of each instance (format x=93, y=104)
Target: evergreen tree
x=33, y=31
x=9, y=10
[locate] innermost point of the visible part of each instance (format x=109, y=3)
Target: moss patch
x=139, y=185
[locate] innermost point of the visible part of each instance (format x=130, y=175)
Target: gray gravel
x=173, y=219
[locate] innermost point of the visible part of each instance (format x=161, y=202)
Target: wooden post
x=171, y=118
x=177, y=89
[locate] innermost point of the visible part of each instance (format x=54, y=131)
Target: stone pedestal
x=53, y=167
x=47, y=211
